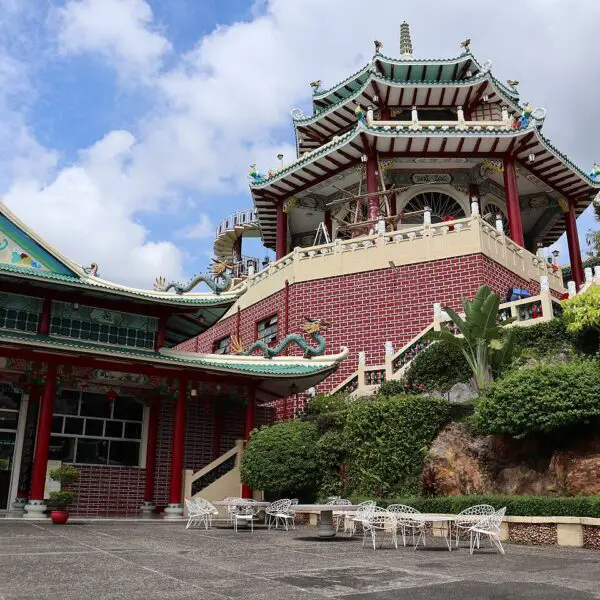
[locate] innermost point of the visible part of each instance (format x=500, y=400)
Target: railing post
x=362, y=360
x=437, y=316
x=389, y=355
x=546, y=299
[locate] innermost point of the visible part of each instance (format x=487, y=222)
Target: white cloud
x=225, y=103
x=203, y=228
x=122, y=30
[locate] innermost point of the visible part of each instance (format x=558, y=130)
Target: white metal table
x=326, y=528
x=444, y=520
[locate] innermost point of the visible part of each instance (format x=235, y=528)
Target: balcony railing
x=239, y=218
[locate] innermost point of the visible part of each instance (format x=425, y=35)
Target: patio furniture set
x=395, y=522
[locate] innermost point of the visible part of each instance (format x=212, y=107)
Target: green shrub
x=332, y=453
x=525, y=506
x=437, y=368
x=393, y=387
x=65, y=475
x=543, y=340
x=387, y=439
x=543, y=398
x=327, y=412
x=282, y=460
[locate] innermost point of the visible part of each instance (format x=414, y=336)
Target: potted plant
x=61, y=500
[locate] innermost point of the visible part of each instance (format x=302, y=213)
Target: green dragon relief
x=312, y=327
x=220, y=281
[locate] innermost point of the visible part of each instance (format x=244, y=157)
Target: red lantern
x=111, y=395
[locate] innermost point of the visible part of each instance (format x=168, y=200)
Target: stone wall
x=366, y=309
x=109, y=490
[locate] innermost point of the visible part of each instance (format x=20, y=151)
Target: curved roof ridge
x=319, y=95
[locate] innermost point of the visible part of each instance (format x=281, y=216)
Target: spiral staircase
x=243, y=223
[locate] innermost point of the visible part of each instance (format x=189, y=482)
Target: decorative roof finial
x=406, y=48
x=465, y=45
x=378, y=46
x=513, y=83
x=315, y=85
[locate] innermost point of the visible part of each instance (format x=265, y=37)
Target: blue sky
x=127, y=126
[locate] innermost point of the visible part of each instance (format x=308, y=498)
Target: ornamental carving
x=439, y=178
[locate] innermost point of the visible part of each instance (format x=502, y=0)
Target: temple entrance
x=9, y=419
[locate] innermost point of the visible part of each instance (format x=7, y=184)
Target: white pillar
x=389, y=348
x=461, y=114
x=588, y=274
x=544, y=283
x=250, y=269
x=427, y=216
x=505, y=115
x=572, y=289
x=414, y=115
x=475, y=206
x=499, y=224
x=437, y=310
x=597, y=273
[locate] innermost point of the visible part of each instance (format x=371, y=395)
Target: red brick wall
x=103, y=490
x=368, y=309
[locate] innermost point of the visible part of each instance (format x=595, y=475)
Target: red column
x=178, y=445
x=281, y=240
x=327, y=221
x=249, y=420
x=513, y=209
x=573, y=243
x=151, y=450
x=44, y=324
x=372, y=186
x=42, y=442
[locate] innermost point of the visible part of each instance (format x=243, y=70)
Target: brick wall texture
x=366, y=310
x=106, y=491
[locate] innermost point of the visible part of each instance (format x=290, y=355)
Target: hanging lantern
x=111, y=395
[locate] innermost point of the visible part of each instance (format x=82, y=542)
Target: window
x=266, y=330
x=222, y=346
x=19, y=312
x=89, y=429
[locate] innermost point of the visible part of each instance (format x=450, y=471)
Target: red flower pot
x=59, y=517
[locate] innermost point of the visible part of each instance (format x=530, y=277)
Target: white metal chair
x=195, y=513
x=404, y=525
x=210, y=511
x=471, y=516
x=279, y=512
x=339, y=516
x=363, y=511
x=378, y=525
x=488, y=526
x=243, y=514
x=232, y=502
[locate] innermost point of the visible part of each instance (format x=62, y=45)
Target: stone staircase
x=367, y=379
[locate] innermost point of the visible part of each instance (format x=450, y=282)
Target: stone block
x=569, y=534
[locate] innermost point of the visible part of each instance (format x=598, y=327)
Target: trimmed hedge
x=387, y=439
x=541, y=399
x=522, y=506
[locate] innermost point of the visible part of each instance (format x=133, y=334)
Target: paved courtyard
x=163, y=561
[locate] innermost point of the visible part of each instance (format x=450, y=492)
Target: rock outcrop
x=461, y=463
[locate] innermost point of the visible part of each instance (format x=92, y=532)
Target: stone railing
x=410, y=245
x=217, y=480
x=239, y=218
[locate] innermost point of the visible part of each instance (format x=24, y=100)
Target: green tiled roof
x=209, y=299
x=266, y=368
x=390, y=131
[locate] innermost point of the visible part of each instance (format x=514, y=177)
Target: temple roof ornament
x=315, y=85
x=513, y=83
x=465, y=45
x=406, y=48
x=220, y=280
x=595, y=172
x=378, y=46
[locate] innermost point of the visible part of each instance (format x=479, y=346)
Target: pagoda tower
x=402, y=155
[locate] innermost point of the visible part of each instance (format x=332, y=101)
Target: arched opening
x=443, y=207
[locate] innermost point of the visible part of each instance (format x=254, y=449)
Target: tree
x=583, y=311
x=484, y=347
x=282, y=460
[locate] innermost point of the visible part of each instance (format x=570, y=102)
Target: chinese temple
x=414, y=182
x=90, y=375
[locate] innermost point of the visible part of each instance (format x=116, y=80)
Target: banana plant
x=484, y=346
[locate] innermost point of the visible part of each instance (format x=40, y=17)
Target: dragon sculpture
x=312, y=327
x=220, y=271
x=595, y=172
